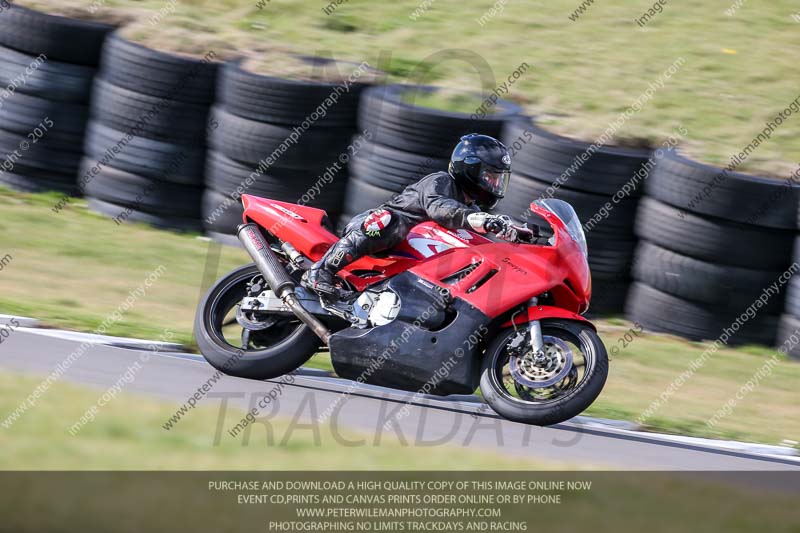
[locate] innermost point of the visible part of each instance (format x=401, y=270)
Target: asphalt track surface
x=423, y=423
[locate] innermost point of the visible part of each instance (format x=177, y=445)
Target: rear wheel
x=249, y=345
x=554, y=386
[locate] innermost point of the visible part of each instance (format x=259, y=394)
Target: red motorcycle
x=444, y=312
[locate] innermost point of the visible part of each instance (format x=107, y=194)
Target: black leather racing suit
x=435, y=197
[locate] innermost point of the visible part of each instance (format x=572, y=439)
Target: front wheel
x=547, y=388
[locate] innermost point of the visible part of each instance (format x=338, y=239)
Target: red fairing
x=296, y=224
x=492, y=276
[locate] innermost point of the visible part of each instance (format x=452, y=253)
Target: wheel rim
x=226, y=323
x=561, y=372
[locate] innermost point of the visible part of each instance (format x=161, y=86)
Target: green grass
x=446, y=100
x=74, y=268
x=583, y=74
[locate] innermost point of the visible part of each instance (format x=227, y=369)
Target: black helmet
x=481, y=165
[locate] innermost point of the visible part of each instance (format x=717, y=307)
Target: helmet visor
x=495, y=181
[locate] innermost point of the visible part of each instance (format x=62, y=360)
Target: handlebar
x=528, y=236
x=524, y=234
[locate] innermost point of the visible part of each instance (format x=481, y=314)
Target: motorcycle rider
x=477, y=178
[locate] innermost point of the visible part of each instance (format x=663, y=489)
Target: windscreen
x=569, y=217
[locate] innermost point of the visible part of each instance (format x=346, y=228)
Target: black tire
x=392, y=169
x=26, y=179
x=148, y=116
x=122, y=214
x=523, y=190
x=708, y=190
x=546, y=156
x=700, y=281
x=283, y=101
x=166, y=161
x=554, y=411
x=289, y=185
x=371, y=172
x=361, y=196
x=22, y=113
x=49, y=79
x=608, y=297
x=712, y=239
x=59, y=38
x=250, y=142
x=793, y=290
x=610, y=260
x=44, y=154
x=269, y=363
x=221, y=214
x=659, y=311
x=422, y=130
x=159, y=74
x=793, y=297
x=142, y=193
x=789, y=336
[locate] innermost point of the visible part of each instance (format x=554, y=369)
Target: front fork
x=535, y=330
x=533, y=338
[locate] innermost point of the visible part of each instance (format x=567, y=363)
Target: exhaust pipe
x=277, y=278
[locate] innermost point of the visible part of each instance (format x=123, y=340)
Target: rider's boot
x=321, y=277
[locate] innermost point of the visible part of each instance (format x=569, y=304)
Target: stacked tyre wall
x=281, y=139
x=407, y=142
x=47, y=65
x=145, y=143
x=715, y=253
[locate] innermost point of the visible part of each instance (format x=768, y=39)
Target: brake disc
x=545, y=371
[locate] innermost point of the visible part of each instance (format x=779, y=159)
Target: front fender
x=541, y=312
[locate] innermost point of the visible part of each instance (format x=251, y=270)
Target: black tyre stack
x=712, y=242
x=789, y=326
x=47, y=64
x=407, y=142
x=278, y=138
x=145, y=142
x=591, y=179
